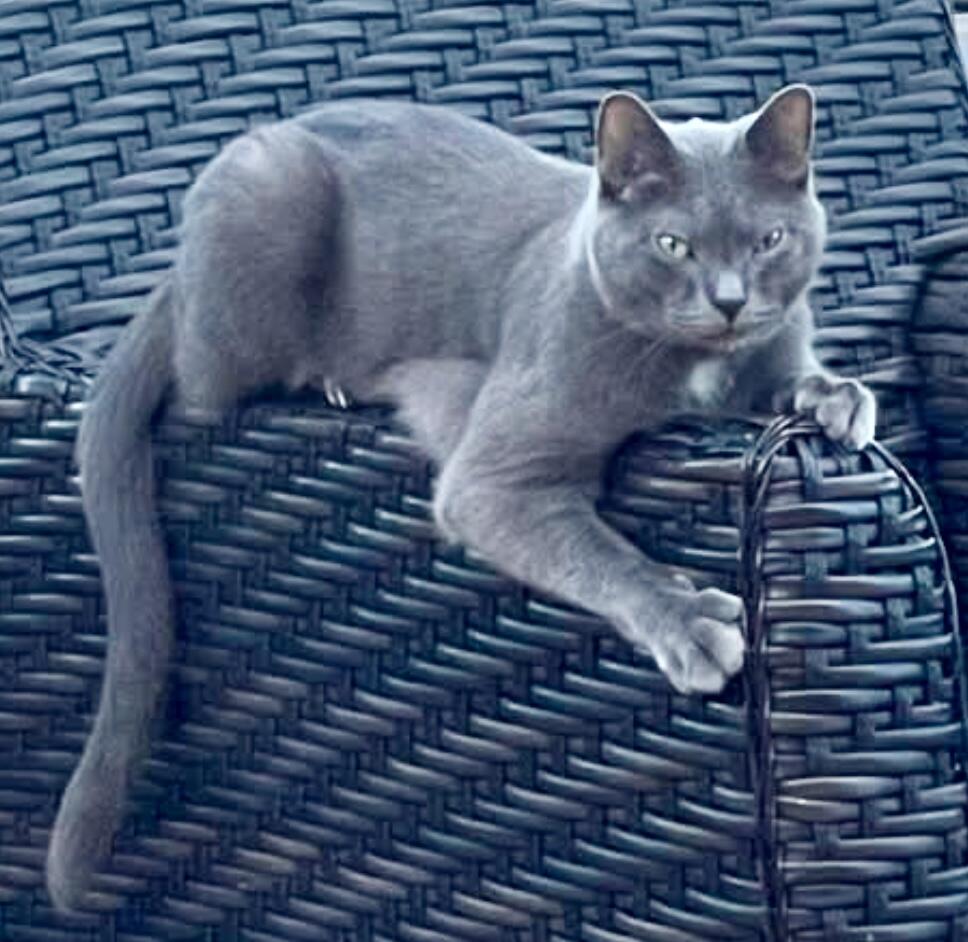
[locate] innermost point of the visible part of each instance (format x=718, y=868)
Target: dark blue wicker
x=371, y=736
x=941, y=339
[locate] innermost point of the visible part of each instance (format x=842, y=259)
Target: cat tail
x=113, y=451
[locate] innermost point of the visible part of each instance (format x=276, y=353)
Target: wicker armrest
x=372, y=735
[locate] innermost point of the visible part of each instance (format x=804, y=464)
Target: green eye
x=673, y=245
x=772, y=239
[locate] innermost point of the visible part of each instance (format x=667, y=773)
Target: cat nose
x=730, y=308
x=729, y=294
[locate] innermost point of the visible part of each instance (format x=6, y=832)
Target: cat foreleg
x=787, y=375
x=547, y=534
x=844, y=408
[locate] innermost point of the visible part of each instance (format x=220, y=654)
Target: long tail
x=113, y=452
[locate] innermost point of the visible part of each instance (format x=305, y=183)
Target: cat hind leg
x=253, y=265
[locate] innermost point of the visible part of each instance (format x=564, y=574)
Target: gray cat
x=525, y=313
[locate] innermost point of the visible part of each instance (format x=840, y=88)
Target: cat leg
x=788, y=375
x=434, y=398
x=253, y=266
x=526, y=503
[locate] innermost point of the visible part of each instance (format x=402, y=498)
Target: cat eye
x=772, y=239
x=672, y=245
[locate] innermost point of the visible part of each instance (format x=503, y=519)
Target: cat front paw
x=844, y=408
x=700, y=645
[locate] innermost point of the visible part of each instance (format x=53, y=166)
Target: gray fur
x=518, y=309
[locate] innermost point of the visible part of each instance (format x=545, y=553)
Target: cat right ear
x=631, y=146
x=781, y=135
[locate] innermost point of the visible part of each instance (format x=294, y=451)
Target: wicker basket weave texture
x=285, y=800
x=373, y=737
x=108, y=111
x=852, y=634
x=941, y=340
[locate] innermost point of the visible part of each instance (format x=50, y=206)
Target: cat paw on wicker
x=844, y=408
x=694, y=635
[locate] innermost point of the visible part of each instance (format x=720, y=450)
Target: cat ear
x=781, y=134
x=631, y=145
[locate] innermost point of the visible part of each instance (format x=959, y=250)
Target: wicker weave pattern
x=372, y=737
x=853, y=680
x=109, y=113
x=941, y=339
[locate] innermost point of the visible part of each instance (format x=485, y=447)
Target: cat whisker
x=609, y=336
x=650, y=353
x=703, y=330
x=689, y=318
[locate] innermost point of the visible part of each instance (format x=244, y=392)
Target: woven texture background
x=108, y=111
x=371, y=736
x=941, y=338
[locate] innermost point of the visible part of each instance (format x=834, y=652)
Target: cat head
x=705, y=232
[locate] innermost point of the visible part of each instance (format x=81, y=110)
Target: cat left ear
x=781, y=135
x=631, y=145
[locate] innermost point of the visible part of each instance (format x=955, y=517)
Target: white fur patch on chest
x=708, y=382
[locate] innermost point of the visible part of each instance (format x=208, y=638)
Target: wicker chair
x=373, y=737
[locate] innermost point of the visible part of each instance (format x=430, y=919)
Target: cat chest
x=708, y=383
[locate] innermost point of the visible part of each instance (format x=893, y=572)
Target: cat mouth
x=719, y=340
x=729, y=338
